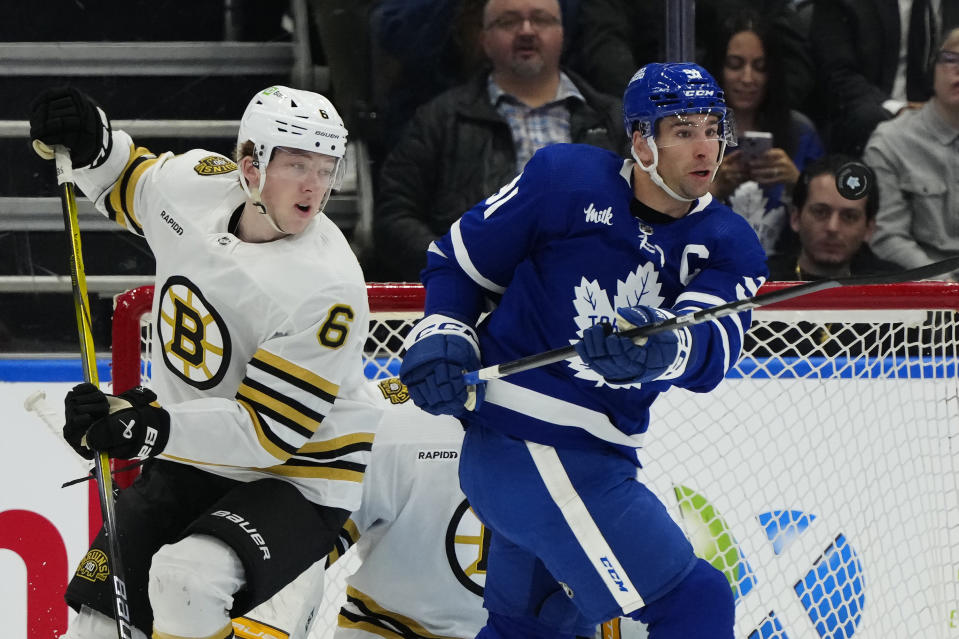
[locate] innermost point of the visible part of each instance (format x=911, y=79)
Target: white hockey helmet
x=291, y=118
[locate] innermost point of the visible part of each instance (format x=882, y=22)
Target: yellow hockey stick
x=81, y=306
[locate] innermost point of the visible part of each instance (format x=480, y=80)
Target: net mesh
x=821, y=478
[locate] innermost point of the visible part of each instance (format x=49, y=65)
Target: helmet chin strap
x=253, y=192
x=654, y=174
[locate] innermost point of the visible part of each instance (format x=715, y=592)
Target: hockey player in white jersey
x=580, y=245
x=257, y=446
x=423, y=549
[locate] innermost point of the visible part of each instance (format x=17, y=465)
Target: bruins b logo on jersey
x=214, y=165
x=467, y=548
x=195, y=340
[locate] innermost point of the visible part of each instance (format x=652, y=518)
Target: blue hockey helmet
x=659, y=90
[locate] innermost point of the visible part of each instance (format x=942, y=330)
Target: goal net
x=821, y=477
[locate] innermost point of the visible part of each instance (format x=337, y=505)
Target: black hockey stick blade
x=709, y=314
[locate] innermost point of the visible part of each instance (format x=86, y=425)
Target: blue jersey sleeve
x=476, y=259
x=729, y=265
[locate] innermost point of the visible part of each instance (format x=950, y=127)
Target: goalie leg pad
x=701, y=605
x=192, y=583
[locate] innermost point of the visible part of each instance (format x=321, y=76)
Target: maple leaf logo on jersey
x=593, y=306
x=749, y=201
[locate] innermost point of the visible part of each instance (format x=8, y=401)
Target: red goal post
x=398, y=300
x=822, y=477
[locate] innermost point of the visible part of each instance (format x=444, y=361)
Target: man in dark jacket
x=473, y=139
x=867, y=75
x=834, y=214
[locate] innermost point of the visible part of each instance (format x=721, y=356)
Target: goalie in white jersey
x=259, y=442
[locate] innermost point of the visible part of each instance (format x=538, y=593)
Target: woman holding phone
x=775, y=141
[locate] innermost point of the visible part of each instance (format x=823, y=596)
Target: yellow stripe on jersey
x=372, y=611
x=296, y=372
x=316, y=472
x=349, y=534
x=222, y=633
x=352, y=532
x=261, y=435
x=120, y=200
x=281, y=406
x=185, y=460
x=331, y=445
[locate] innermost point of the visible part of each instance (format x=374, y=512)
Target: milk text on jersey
x=602, y=217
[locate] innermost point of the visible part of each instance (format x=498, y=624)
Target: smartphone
x=754, y=143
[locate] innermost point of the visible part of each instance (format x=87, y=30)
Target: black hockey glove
x=133, y=427
x=67, y=116
x=83, y=405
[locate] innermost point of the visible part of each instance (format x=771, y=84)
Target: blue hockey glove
x=621, y=361
x=133, y=428
x=440, y=349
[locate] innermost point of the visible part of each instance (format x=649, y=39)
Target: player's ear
x=641, y=148
x=250, y=172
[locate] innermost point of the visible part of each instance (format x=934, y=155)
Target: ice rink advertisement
x=821, y=528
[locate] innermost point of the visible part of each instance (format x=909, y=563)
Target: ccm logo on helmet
x=698, y=93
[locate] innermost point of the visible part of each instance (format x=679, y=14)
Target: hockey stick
x=708, y=314
x=36, y=403
x=81, y=307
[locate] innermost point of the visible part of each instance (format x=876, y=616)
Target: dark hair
x=773, y=114
x=832, y=164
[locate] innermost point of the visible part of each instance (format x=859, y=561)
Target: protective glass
x=684, y=128
x=297, y=165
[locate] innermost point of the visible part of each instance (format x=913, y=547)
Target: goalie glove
x=132, y=427
x=620, y=360
x=439, y=350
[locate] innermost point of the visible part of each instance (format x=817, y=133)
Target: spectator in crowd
x=914, y=158
x=618, y=36
x=833, y=226
x=422, y=48
x=471, y=140
x=874, y=60
x=749, y=64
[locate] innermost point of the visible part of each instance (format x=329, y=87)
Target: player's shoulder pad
x=214, y=164
x=570, y=167
x=728, y=233
x=200, y=179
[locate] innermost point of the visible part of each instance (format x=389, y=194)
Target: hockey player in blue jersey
x=578, y=246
